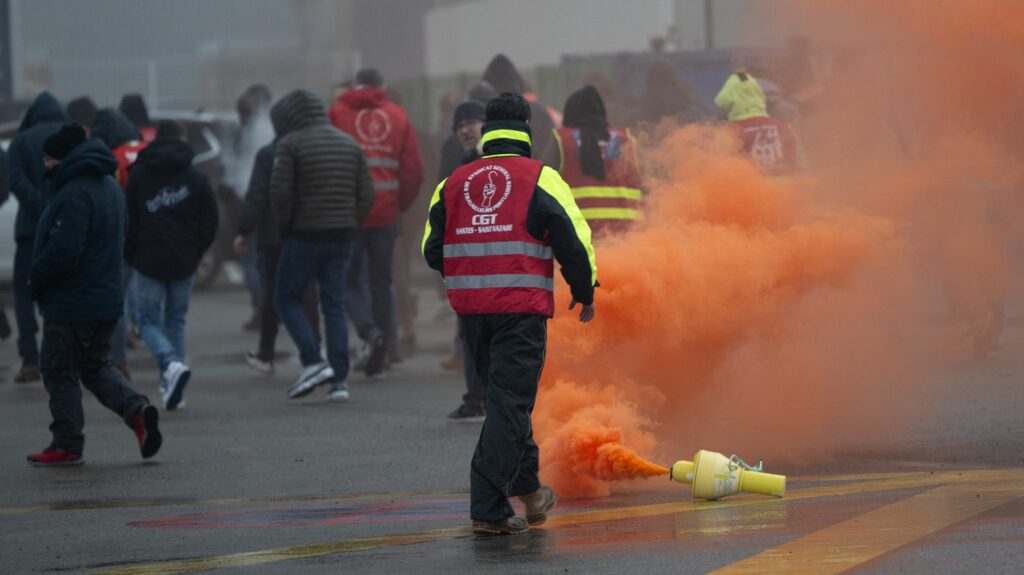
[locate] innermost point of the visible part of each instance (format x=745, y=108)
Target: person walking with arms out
x=494, y=230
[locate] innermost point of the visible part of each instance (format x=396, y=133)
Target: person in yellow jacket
x=742, y=97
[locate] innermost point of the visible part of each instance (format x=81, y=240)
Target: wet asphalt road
x=249, y=481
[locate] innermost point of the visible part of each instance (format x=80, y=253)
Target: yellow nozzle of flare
x=713, y=476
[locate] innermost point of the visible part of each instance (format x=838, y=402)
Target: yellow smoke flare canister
x=714, y=476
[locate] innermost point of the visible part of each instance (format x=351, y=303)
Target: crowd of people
x=114, y=218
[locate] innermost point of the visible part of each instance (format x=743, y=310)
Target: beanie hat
x=69, y=137
x=468, y=110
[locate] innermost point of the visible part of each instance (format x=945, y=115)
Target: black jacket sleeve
x=257, y=196
x=554, y=216
x=29, y=196
x=433, y=235
x=208, y=212
x=132, y=199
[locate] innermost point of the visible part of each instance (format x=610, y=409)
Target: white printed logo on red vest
x=487, y=189
x=373, y=125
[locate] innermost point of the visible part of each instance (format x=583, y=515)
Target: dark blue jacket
x=76, y=264
x=25, y=162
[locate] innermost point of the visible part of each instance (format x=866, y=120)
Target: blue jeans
x=161, y=307
x=325, y=262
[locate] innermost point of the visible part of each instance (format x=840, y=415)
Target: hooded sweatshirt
x=172, y=212
x=76, y=266
x=502, y=74
x=388, y=139
x=121, y=136
x=320, y=188
x=25, y=162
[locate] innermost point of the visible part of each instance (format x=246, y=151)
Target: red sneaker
x=146, y=430
x=55, y=457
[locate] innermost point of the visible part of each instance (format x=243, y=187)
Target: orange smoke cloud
x=782, y=318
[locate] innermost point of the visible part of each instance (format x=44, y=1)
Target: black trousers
x=509, y=354
x=269, y=256
x=24, y=307
x=76, y=353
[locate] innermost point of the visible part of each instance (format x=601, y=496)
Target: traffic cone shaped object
x=714, y=476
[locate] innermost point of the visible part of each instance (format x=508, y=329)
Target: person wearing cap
x=76, y=279
x=494, y=230
x=467, y=122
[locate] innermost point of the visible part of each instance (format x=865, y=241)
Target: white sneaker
x=338, y=392
x=253, y=360
x=311, y=377
x=175, y=378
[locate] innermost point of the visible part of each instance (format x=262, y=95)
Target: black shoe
x=145, y=424
x=378, y=356
x=28, y=374
x=468, y=413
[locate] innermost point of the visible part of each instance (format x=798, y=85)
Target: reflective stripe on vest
x=610, y=213
x=607, y=192
x=385, y=186
x=498, y=249
x=389, y=163
x=500, y=281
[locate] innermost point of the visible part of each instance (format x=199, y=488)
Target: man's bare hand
x=587, y=311
x=241, y=245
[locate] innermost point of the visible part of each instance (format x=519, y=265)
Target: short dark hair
x=170, y=129
x=369, y=77
x=508, y=106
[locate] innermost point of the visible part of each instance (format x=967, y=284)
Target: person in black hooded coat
x=172, y=221
x=503, y=76
x=258, y=219
x=76, y=277
x=26, y=175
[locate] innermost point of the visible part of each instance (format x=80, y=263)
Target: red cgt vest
x=491, y=263
x=770, y=143
x=612, y=204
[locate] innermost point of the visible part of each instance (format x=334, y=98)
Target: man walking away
x=172, y=221
x=258, y=218
x=76, y=277
x=494, y=229
x=321, y=192
x=388, y=139
x=25, y=168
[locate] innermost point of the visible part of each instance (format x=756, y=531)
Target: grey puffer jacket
x=320, y=187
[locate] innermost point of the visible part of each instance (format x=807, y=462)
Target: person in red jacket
x=388, y=140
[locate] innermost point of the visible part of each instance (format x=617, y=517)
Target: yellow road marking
x=144, y=503
x=845, y=545
x=965, y=479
